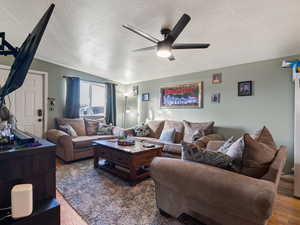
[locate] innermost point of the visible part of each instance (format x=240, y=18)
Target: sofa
x=70, y=148
x=184, y=132
x=216, y=196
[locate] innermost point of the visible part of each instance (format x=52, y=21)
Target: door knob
x=39, y=120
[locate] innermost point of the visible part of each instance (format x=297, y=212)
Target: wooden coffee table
x=128, y=162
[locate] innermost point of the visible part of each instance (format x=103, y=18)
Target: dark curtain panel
x=73, y=97
x=111, y=114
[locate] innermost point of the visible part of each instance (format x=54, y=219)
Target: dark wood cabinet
x=36, y=166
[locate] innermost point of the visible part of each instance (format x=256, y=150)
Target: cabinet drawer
x=120, y=158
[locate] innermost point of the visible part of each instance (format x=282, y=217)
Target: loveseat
x=184, y=132
x=73, y=148
x=216, y=196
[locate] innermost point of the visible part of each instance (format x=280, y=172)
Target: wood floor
x=286, y=210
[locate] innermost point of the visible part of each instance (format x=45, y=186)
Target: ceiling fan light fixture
x=163, y=50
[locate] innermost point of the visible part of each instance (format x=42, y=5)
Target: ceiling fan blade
x=190, y=46
x=171, y=58
x=141, y=33
x=145, y=49
x=184, y=20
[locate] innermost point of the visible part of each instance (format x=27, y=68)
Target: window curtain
x=111, y=114
x=73, y=97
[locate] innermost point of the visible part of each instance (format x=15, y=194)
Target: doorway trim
x=45, y=93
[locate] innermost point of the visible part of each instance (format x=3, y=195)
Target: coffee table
x=128, y=162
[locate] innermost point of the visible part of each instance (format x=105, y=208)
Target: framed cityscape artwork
x=182, y=96
x=245, y=88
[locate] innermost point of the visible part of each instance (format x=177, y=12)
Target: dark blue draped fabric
x=111, y=114
x=73, y=97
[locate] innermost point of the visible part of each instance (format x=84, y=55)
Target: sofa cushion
x=172, y=148
x=203, y=141
x=190, y=128
x=257, y=157
x=77, y=124
x=91, y=125
x=179, y=128
x=86, y=141
x=156, y=127
x=168, y=135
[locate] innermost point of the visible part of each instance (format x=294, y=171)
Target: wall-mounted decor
x=245, y=88
x=145, y=97
x=216, y=98
x=135, y=90
x=182, y=96
x=217, y=78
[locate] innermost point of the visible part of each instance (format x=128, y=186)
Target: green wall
x=271, y=104
x=56, y=83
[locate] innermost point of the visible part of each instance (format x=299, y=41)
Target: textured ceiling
x=87, y=34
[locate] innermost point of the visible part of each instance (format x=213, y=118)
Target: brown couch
x=184, y=132
x=215, y=196
x=74, y=148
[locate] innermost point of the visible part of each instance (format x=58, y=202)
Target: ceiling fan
x=164, y=48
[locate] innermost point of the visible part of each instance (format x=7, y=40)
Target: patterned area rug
x=103, y=199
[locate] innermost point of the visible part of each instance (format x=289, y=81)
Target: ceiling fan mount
x=164, y=47
x=165, y=31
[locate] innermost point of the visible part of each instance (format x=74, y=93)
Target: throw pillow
x=265, y=136
x=190, y=128
x=142, y=131
x=236, y=150
x=68, y=129
x=257, y=157
x=191, y=152
x=91, y=126
x=197, y=135
x=104, y=129
x=225, y=147
x=168, y=135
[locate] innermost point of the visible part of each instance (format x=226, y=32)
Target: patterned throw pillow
x=197, y=135
x=168, y=135
x=142, y=131
x=191, y=152
x=225, y=147
x=68, y=129
x=104, y=129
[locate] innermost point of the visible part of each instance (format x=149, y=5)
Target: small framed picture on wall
x=245, y=88
x=217, y=78
x=135, y=90
x=145, y=97
x=216, y=98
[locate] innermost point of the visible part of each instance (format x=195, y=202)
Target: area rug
x=103, y=199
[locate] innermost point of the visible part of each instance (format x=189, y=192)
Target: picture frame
x=217, y=78
x=188, y=95
x=245, y=88
x=146, y=97
x=135, y=90
x=216, y=98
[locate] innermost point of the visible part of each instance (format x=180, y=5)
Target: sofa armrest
x=53, y=135
x=64, y=145
x=229, y=191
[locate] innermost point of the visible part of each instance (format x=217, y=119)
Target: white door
x=29, y=105
x=26, y=103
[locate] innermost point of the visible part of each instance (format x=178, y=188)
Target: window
x=92, y=99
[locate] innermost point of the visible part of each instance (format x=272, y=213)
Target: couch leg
x=163, y=213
